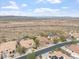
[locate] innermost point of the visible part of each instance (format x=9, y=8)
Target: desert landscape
x=14, y=29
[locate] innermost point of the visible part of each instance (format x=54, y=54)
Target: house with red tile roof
x=10, y=47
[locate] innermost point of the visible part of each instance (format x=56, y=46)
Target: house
x=53, y=36
x=43, y=41
x=59, y=55
x=10, y=47
x=74, y=48
x=76, y=34
x=27, y=43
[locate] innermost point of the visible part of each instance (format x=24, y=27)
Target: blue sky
x=40, y=7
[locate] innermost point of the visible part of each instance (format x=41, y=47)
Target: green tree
x=62, y=39
x=31, y=56
x=55, y=41
x=33, y=37
x=36, y=41
x=43, y=34
x=25, y=37
x=20, y=49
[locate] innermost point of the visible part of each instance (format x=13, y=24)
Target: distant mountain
x=36, y=18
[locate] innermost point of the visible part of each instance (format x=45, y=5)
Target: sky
x=40, y=8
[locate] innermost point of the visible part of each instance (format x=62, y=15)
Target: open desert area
x=15, y=29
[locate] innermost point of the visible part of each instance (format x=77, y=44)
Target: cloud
x=38, y=1
x=44, y=11
x=14, y=13
x=51, y=1
x=10, y=12
x=54, y=1
x=34, y=12
x=65, y=7
x=53, y=12
x=12, y=5
x=24, y=5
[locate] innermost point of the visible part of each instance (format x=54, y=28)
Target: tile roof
x=74, y=48
x=59, y=54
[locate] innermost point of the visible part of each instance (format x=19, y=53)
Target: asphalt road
x=49, y=48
